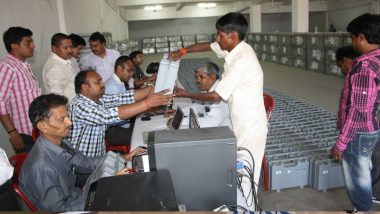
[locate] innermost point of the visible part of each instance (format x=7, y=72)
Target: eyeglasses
x=130, y=70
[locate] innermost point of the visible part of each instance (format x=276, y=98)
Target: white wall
x=88, y=16
x=39, y=16
x=341, y=14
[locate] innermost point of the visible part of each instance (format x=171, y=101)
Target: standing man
x=360, y=128
x=241, y=86
x=77, y=44
x=18, y=87
x=139, y=77
x=101, y=59
x=59, y=74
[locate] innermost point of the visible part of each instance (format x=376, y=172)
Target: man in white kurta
x=58, y=73
x=241, y=85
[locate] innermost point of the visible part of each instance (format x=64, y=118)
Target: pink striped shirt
x=18, y=88
x=360, y=99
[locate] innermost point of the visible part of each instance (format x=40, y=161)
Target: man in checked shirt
x=18, y=87
x=358, y=106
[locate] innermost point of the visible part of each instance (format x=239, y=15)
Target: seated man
x=120, y=133
x=92, y=111
x=139, y=78
x=47, y=176
x=214, y=113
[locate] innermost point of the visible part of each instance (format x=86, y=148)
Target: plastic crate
x=330, y=55
x=148, y=50
x=162, y=50
x=299, y=51
x=284, y=39
x=299, y=62
x=162, y=45
x=299, y=40
x=314, y=65
x=315, y=54
x=200, y=38
x=315, y=40
x=148, y=45
x=148, y=40
x=284, y=60
x=273, y=38
x=333, y=40
x=162, y=39
x=188, y=38
x=289, y=174
x=333, y=69
x=257, y=37
x=264, y=56
x=273, y=58
x=174, y=38
x=285, y=50
x=326, y=174
x=273, y=48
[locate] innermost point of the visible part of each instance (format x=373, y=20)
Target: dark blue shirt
x=47, y=176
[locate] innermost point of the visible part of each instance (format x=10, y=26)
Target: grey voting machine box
x=202, y=163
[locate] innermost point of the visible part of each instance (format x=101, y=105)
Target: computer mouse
x=146, y=118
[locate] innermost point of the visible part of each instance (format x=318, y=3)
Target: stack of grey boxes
x=285, y=49
x=202, y=38
x=175, y=43
x=162, y=45
x=188, y=40
x=315, y=52
x=125, y=47
x=310, y=51
x=298, y=145
x=299, y=42
x=148, y=45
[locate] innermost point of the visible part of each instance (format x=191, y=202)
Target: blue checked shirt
x=90, y=121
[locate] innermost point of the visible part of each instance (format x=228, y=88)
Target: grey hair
x=209, y=68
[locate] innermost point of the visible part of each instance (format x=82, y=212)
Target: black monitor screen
x=177, y=118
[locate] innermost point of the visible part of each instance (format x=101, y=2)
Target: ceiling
x=133, y=10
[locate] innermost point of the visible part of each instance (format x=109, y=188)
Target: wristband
x=12, y=130
x=183, y=51
x=146, y=103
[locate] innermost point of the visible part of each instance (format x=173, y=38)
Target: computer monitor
x=177, y=120
x=193, y=120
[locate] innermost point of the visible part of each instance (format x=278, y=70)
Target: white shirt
x=6, y=169
x=242, y=86
x=219, y=114
x=58, y=76
x=75, y=65
x=104, y=66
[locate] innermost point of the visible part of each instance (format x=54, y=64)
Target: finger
x=164, y=91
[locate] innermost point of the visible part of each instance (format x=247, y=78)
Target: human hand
x=16, y=140
x=159, y=99
x=175, y=55
x=153, y=77
x=179, y=92
x=137, y=151
x=335, y=154
x=124, y=171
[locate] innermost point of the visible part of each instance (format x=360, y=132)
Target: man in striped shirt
x=358, y=106
x=18, y=87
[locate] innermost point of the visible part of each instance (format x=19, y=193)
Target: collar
x=58, y=58
x=230, y=57
x=117, y=79
x=370, y=54
x=86, y=99
x=53, y=148
x=17, y=59
x=214, y=86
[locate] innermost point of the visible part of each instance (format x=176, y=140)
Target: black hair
x=347, y=52
x=97, y=37
x=81, y=79
x=368, y=25
x=121, y=61
x=57, y=39
x=40, y=107
x=209, y=68
x=134, y=54
x=233, y=22
x=153, y=68
x=77, y=40
x=14, y=36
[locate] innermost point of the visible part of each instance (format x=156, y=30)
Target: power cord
x=248, y=172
